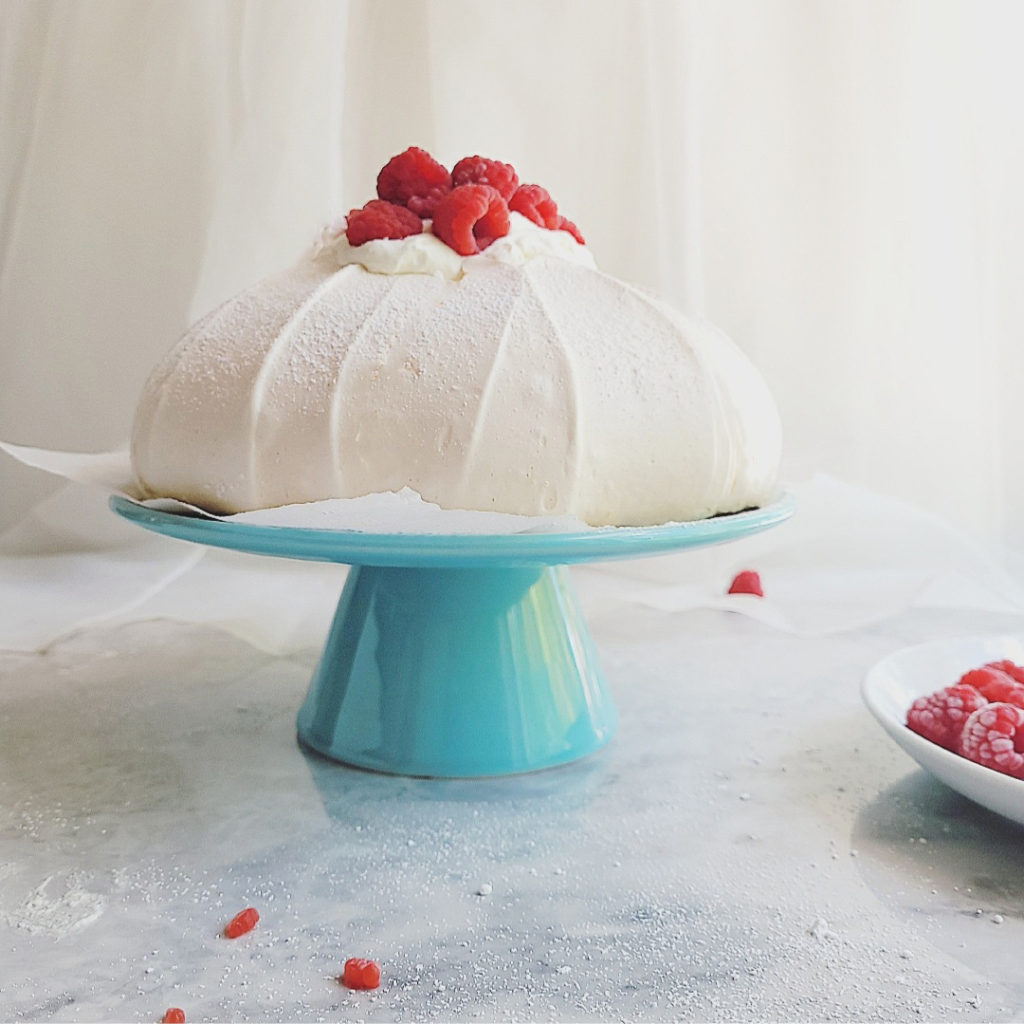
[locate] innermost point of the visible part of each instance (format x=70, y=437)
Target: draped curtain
x=836, y=183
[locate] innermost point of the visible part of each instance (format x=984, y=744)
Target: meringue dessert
x=455, y=337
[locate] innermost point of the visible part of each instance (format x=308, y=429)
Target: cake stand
x=454, y=655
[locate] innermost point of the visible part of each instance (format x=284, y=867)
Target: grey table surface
x=750, y=846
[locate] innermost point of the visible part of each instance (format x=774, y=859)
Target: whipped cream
x=425, y=253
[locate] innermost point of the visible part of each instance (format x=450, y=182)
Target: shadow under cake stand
x=454, y=655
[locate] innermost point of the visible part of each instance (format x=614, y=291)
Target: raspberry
x=414, y=179
x=470, y=217
x=478, y=170
x=1010, y=668
x=564, y=224
x=746, y=582
x=995, y=685
x=360, y=973
x=994, y=737
x=534, y=203
x=242, y=922
x=940, y=716
x=173, y=1016
x=380, y=219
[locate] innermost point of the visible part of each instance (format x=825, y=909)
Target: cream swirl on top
x=426, y=254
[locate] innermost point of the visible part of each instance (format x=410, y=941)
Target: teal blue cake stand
x=456, y=655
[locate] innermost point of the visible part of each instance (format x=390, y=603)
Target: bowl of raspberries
x=957, y=707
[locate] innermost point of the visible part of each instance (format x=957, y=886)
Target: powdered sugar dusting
x=57, y=908
x=540, y=388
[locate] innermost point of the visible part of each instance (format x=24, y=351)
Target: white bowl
x=892, y=685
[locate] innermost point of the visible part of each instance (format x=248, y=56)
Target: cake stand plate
x=454, y=655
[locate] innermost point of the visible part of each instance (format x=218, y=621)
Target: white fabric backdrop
x=837, y=184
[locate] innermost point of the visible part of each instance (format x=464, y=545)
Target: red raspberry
x=746, y=582
x=242, y=922
x=995, y=685
x=414, y=179
x=1010, y=668
x=940, y=716
x=994, y=737
x=470, y=217
x=478, y=170
x=564, y=224
x=380, y=219
x=534, y=203
x=360, y=973
x=173, y=1016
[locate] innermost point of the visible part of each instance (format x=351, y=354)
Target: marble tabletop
x=749, y=847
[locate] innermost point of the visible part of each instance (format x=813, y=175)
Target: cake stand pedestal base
x=456, y=655
x=457, y=673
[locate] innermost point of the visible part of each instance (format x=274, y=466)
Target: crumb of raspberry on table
x=381, y=219
x=994, y=684
x=173, y=1016
x=414, y=179
x=941, y=716
x=746, y=582
x=244, y=921
x=536, y=204
x=479, y=170
x=470, y=217
x=993, y=736
x=360, y=973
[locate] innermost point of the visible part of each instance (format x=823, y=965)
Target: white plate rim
x=892, y=683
